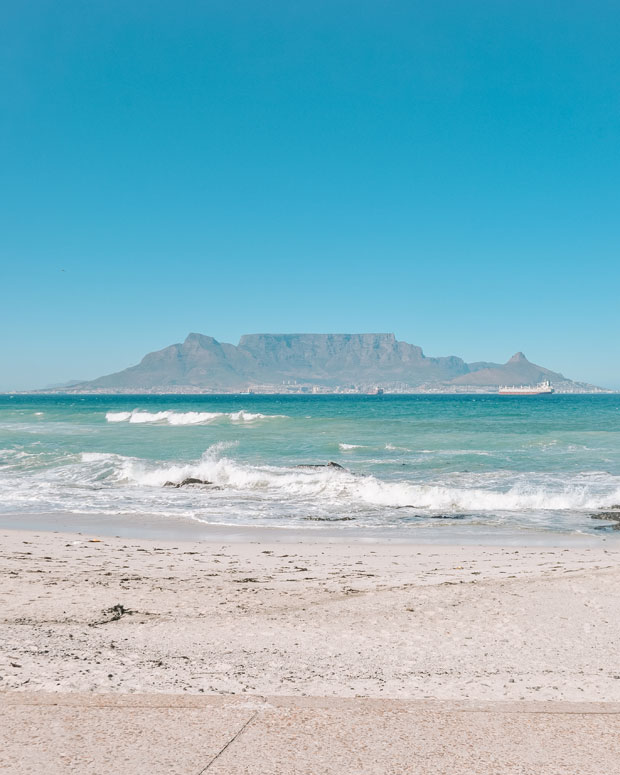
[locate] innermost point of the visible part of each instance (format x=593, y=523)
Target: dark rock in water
x=609, y=516
x=613, y=516
x=189, y=480
x=331, y=464
x=329, y=519
x=431, y=516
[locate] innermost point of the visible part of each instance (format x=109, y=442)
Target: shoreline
x=156, y=528
x=468, y=390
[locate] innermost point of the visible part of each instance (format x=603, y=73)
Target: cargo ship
x=542, y=389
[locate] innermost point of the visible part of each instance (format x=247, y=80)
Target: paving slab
x=373, y=741
x=57, y=734
x=113, y=739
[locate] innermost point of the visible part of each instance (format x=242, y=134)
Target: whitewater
x=406, y=465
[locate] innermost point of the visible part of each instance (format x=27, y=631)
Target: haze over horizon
x=447, y=173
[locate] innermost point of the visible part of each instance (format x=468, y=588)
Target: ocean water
x=463, y=466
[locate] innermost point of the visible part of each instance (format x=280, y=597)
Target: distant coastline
x=573, y=389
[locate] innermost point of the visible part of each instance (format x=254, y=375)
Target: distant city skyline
x=447, y=172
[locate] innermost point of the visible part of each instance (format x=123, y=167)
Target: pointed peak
x=200, y=339
x=518, y=358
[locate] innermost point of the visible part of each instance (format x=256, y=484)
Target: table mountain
x=327, y=360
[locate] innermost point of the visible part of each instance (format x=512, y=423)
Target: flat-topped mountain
x=313, y=360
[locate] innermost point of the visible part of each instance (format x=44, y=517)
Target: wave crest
x=517, y=493
x=169, y=417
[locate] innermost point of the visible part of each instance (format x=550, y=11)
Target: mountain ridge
x=320, y=361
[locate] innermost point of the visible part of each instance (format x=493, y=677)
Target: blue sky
x=448, y=171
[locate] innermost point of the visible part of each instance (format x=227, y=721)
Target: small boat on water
x=542, y=389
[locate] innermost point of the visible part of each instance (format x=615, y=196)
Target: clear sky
x=447, y=171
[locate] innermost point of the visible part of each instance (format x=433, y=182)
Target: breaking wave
x=511, y=493
x=233, y=491
x=139, y=416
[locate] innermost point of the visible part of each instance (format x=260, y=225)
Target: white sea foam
x=243, y=416
x=516, y=493
x=245, y=493
x=138, y=416
x=345, y=447
x=117, y=416
x=454, y=452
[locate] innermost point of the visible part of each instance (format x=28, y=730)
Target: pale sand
x=397, y=621
x=331, y=658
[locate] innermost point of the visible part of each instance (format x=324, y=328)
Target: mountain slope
x=327, y=360
x=517, y=371
x=338, y=358
x=323, y=359
x=199, y=361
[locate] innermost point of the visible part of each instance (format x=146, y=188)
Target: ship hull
x=525, y=393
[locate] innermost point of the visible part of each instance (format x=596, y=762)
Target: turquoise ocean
x=414, y=467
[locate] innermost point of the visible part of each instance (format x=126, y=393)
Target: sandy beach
x=309, y=619
x=461, y=627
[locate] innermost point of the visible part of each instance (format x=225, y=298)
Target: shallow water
x=461, y=465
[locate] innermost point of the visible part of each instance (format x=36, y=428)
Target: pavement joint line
x=292, y=703
x=230, y=742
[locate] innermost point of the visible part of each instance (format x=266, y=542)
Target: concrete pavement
x=157, y=734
